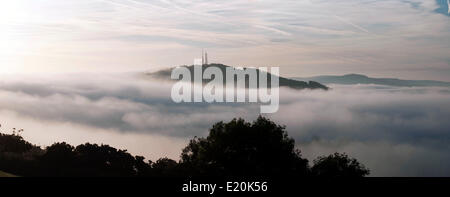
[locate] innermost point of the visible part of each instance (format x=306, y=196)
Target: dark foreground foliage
x=245, y=149
x=236, y=148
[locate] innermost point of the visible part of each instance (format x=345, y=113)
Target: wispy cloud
x=352, y=24
x=94, y=35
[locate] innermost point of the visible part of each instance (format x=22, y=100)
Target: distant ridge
x=283, y=82
x=351, y=79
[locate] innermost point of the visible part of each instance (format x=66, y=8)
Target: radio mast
x=203, y=58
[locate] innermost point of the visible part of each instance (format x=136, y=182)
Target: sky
x=381, y=38
x=68, y=73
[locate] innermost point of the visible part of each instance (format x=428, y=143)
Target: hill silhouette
x=351, y=79
x=283, y=82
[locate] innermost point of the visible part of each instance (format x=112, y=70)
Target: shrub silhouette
x=338, y=165
x=62, y=159
x=241, y=148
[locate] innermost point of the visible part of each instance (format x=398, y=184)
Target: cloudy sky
x=392, y=38
x=67, y=73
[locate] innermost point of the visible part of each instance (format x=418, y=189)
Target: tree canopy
x=338, y=165
x=243, y=148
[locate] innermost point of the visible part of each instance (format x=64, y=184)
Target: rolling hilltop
x=351, y=79
x=283, y=82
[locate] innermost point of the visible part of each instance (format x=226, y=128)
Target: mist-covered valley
x=394, y=131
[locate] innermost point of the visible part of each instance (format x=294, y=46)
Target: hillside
x=283, y=82
x=351, y=79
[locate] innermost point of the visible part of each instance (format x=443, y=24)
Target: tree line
x=235, y=148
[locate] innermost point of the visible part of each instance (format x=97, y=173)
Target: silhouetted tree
x=105, y=160
x=166, y=167
x=17, y=156
x=338, y=165
x=58, y=160
x=243, y=148
x=13, y=144
x=61, y=159
x=143, y=168
x=164, y=163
